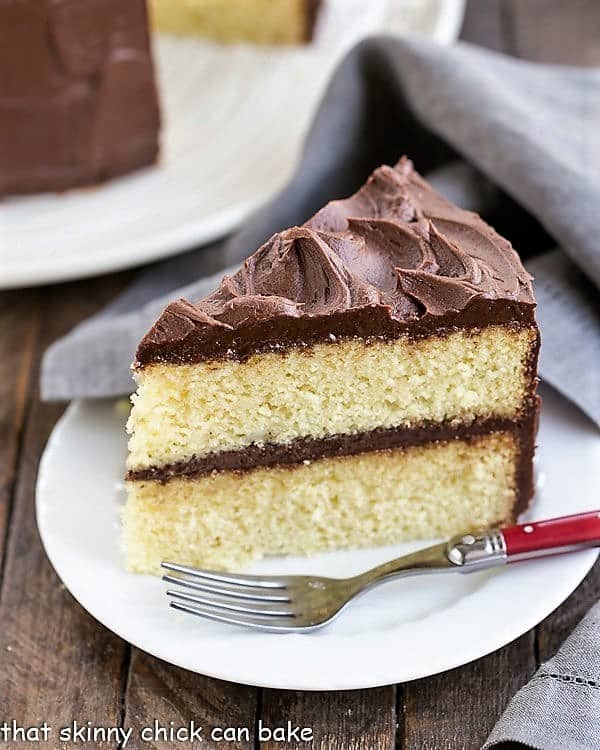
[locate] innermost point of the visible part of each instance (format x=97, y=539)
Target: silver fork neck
x=466, y=553
x=427, y=560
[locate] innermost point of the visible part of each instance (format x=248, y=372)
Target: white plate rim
x=131, y=254
x=451, y=16
x=578, y=565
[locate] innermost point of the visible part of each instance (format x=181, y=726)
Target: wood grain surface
x=58, y=664
x=156, y=691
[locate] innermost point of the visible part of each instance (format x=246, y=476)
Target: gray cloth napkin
x=559, y=709
x=531, y=132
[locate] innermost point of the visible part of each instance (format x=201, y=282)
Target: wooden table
x=57, y=664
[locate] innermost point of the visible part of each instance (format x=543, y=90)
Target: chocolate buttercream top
x=395, y=258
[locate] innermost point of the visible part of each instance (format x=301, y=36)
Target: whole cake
x=78, y=102
x=366, y=378
x=256, y=21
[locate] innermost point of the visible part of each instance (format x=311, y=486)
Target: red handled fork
x=291, y=603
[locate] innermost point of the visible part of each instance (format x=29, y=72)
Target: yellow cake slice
x=366, y=378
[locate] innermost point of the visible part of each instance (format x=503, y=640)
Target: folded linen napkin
x=559, y=708
x=531, y=131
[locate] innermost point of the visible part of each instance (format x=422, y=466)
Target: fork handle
x=552, y=536
x=471, y=552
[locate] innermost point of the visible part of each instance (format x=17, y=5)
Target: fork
x=292, y=603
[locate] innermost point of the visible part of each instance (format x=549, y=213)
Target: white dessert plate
x=398, y=632
x=234, y=121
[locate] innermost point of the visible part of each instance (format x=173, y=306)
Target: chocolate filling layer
x=311, y=12
x=309, y=449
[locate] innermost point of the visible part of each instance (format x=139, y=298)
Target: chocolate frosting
x=311, y=13
x=78, y=102
x=395, y=258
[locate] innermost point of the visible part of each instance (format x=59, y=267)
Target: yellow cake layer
x=258, y=21
x=330, y=389
x=226, y=520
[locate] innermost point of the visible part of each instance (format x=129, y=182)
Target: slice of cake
x=78, y=102
x=255, y=21
x=366, y=378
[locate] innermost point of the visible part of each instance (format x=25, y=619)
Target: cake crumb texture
x=330, y=389
x=227, y=520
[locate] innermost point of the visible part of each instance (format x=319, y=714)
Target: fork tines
x=238, y=599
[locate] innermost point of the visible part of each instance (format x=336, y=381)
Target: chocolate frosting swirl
x=395, y=258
